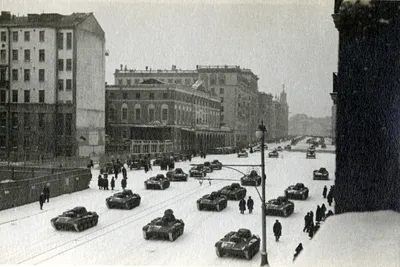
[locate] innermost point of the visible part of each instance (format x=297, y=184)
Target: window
x=221, y=91
x=150, y=109
x=178, y=81
x=14, y=117
x=27, y=141
x=14, y=96
x=15, y=54
x=213, y=91
x=151, y=96
x=221, y=79
x=124, y=113
x=27, y=75
x=2, y=141
x=41, y=96
x=15, y=36
x=68, y=124
x=222, y=100
x=15, y=75
x=41, y=75
x=60, y=85
x=41, y=120
x=41, y=55
x=61, y=64
x=165, y=95
x=41, y=36
x=69, y=40
x=213, y=79
x=125, y=95
x=60, y=124
x=164, y=112
x=27, y=120
x=3, y=96
x=27, y=55
x=3, y=119
x=27, y=36
x=3, y=75
x=222, y=108
x=137, y=112
x=112, y=96
x=60, y=40
x=68, y=85
x=124, y=134
x=120, y=82
x=3, y=54
x=128, y=81
x=137, y=96
x=4, y=36
x=111, y=114
x=69, y=65
x=27, y=96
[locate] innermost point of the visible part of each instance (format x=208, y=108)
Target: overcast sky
x=283, y=41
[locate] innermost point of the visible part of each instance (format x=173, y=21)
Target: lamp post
x=261, y=135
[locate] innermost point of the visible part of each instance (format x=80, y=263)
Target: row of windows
x=137, y=95
x=42, y=58
x=213, y=79
x=170, y=81
x=27, y=38
x=27, y=96
x=138, y=113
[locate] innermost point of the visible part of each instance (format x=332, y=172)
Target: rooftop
x=43, y=19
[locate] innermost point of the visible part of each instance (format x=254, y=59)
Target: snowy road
x=28, y=238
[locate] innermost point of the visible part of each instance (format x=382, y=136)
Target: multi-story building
x=334, y=108
x=51, y=85
x=301, y=124
x=236, y=88
x=153, y=117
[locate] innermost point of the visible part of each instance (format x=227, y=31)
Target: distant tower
x=283, y=97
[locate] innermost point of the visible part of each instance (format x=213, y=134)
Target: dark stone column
x=368, y=107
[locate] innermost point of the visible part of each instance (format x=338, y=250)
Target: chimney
x=5, y=15
x=121, y=66
x=197, y=67
x=125, y=68
x=147, y=68
x=173, y=67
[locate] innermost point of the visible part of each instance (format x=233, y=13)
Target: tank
x=157, y=182
x=297, y=191
x=177, y=175
x=166, y=227
x=233, y=191
x=78, y=219
x=208, y=167
x=242, y=154
x=123, y=200
x=280, y=149
x=321, y=174
x=252, y=179
x=310, y=155
x=213, y=201
x=198, y=171
x=288, y=147
x=240, y=244
x=273, y=154
x=279, y=207
x=216, y=165
x=323, y=146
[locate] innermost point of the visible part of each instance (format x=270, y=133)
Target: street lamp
x=260, y=134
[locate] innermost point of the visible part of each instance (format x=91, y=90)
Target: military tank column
x=78, y=219
x=240, y=244
x=213, y=201
x=166, y=227
x=123, y=200
x=157, y=182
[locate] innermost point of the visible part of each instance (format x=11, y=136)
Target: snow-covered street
x=28, y=237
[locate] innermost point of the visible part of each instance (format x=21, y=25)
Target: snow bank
x=355, y=239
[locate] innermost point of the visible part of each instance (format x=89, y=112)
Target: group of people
x=45, y=195
x=242, y=205
x=103, y=183
x=329, y=195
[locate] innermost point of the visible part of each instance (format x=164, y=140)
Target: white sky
x=284, y=42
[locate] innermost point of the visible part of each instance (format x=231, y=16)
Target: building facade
x=301, y=124
x=237, y=89
x=51, y=86
x=152, y=117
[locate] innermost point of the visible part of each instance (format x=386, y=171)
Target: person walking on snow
x=330, y=198
x=112, y=183
x=250, y=204
x=318, y=214
x=277, y=228
x=46, y=192
x=41, y=200
x=123, y=183
x=242, y=205
x=306, y=222
x=324, y=192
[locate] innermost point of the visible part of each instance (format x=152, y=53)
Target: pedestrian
x=330, y=198
x=150, y=168
x=323, y=210
x=123, y=171
x=277, y=228
x=112, y=183
x=146, y=168
x=99, y=181
x=298, y=250
x=311, y=232
x=324, y=191
x=106, y=184
x=318, y=214
x=250, y=204
x=242, y=205
x=311, y=217
x=116, y=172
x=306, y=222
x=46, y=192
x=41, y=200
x=123, y=183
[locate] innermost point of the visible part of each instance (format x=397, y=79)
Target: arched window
x=111, y=113
x=221, y=79
x=213, y=79
x=124, y=112
x=151, y=114
x=137, y=109
x=164, y=112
